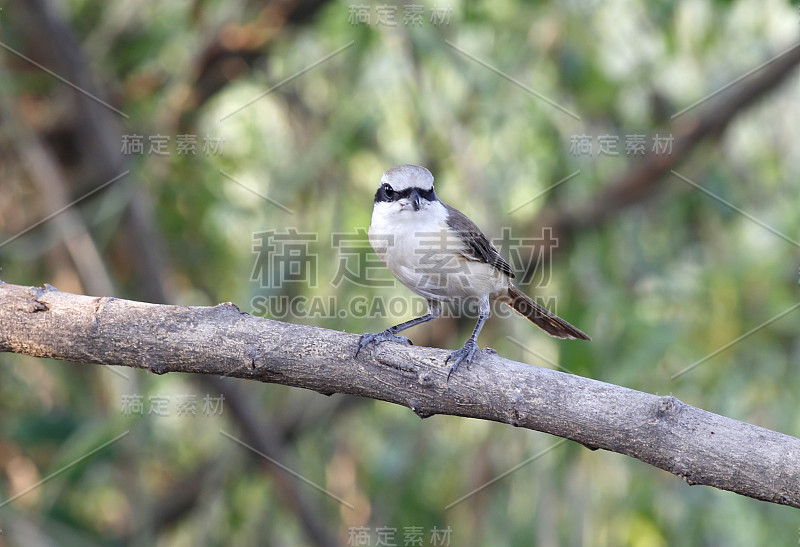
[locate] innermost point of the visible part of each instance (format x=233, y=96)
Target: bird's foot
x=375, y=338
x=463, y=355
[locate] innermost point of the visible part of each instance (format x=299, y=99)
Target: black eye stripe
x=424, y=194
x=430, y=195
x=386, y=193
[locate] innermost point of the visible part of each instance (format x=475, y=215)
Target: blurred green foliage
x=659, y=286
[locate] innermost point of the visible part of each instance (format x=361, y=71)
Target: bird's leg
x=389, y=335
x=466, y=353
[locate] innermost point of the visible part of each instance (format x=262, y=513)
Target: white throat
x=396, y=218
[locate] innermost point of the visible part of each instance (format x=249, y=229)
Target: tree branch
x=646, y=177
x=698, y=446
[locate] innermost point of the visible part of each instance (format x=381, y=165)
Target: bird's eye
x=388, y=190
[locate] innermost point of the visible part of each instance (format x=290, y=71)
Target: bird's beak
x=414, y=199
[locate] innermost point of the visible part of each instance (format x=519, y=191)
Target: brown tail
x=544, y=319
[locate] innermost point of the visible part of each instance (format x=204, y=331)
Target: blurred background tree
x=259, y=118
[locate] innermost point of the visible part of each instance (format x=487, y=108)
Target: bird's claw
x=463, y=355
x=375, y=338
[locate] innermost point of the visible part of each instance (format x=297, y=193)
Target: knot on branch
x=36, y=306
x=156, y=367
x=406, y=367
x=419, y=410
x=668, y=406
x=229, y=307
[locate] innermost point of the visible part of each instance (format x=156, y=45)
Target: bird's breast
x=427, y=256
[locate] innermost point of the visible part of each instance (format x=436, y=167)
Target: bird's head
x=405, y=188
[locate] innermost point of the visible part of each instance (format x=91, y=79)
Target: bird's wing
x=476, y=245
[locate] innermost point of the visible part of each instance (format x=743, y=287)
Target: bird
x=440, y=254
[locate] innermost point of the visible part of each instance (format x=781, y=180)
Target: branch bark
x=696, y=445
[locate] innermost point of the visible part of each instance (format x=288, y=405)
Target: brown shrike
x=440, y=254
